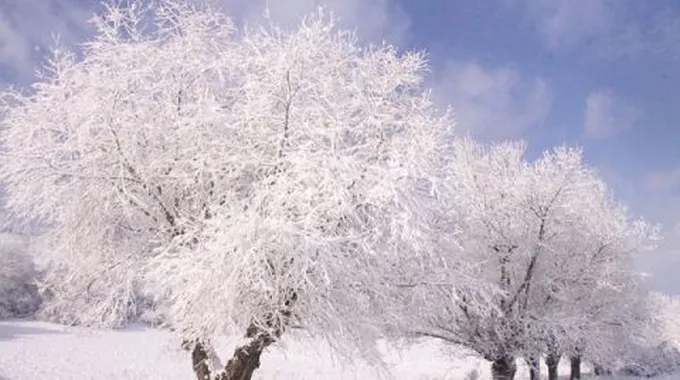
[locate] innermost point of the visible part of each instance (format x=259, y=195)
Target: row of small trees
x=247, y=181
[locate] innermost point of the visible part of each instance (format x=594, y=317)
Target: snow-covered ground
x=37, y=350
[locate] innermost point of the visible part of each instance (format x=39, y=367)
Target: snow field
x=42, y=350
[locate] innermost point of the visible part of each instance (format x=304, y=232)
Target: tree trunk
x=503, y=368
x=552, y=361
x=534, y=364
x=241, y=366
x=575, y=373
x=246, y=358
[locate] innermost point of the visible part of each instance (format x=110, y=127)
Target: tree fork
x=246, y=357
x=243, y=363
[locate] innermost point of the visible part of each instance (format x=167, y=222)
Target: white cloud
x=29, y=25
x=493, y=103
x=565, y=23
x=607, y=115
x=663, y=180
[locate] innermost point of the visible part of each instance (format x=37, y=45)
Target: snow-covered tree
x=243, y=180
x=487, y=187
x=588, y=276
x=542, y=232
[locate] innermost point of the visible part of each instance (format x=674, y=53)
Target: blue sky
x=604, y=74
